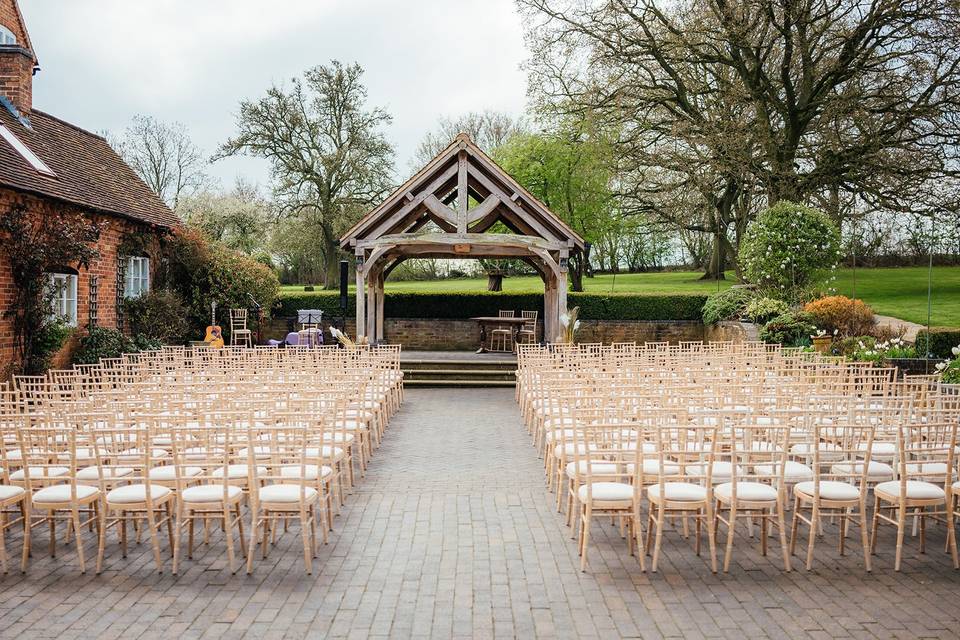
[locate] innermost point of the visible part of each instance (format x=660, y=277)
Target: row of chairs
x=720, y=434
x=167, y=440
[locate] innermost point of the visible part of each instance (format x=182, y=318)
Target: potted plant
x=822, y=341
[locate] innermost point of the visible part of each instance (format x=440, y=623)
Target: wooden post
x=361, y=298
x=549, y=310
x=380, y=302
x=372, y=307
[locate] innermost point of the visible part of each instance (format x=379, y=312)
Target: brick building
x=49, y=168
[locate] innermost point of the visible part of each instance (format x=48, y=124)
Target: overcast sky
x=192, y=61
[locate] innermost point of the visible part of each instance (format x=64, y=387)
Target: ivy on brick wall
x=35, y=246
x=454, y=305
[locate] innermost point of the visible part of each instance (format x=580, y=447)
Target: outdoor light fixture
x=563, y=263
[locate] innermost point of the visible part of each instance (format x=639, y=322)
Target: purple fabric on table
x=274, y=343
x=293, y=338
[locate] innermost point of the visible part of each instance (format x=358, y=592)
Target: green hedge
x=942, y=340
x=593, y=306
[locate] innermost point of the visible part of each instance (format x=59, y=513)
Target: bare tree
x=329, y=158
x=164, y=156
x=835, y=102
x=489, y=129
x=240, y=218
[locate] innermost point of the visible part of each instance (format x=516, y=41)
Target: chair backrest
x=238, y=318
x=503, y=313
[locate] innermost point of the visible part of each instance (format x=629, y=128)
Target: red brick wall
x=16, y=66
x=16, y=79
x=105, y=267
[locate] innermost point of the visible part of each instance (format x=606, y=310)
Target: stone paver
x=452, y=534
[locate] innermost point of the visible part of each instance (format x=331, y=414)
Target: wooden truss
x=430, y=216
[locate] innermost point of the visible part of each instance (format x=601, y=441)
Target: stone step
x=459, y=383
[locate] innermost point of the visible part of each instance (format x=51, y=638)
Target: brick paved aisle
x=452, y=534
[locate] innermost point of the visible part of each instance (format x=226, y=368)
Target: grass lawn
x=900, y=292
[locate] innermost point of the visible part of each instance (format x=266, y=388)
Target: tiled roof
x=89, y=172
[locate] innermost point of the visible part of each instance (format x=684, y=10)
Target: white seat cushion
x=61, y=493
x=875, y=469
x=747, y=491
x=720, y=470
x=916, y=490
x=884, y=450
x=678, y=491
x=136, y=493
x=599, y=468
x=235, y=471
x=606, y=492
x=93, y=473
x=921, y=468
x=168, y=472
x=652, y=468
x=136, y=454
x=793, y=471
x=37, y=473
x=286, y=493
x=827, y=449
x=325, y=452
x=338, y=437
x=7, y=492
x=569, y=449
x=829, y=490
x=209, y=493
x=310, y=471
x=566, y=434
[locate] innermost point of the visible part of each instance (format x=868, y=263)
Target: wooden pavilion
x=430, y=216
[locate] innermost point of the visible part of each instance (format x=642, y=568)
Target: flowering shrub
x=841, y=314
x=950, y=369
x=727, y=305
x=869, y=349
x=788, y=248
x=761, y=310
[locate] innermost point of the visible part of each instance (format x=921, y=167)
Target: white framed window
x=63, y=298
x=6, y=36
x=137, y=277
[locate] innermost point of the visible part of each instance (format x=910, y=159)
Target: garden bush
x=761, y=310
x=100, y=343
x=789, y=329
x=47, y=341
x=470, y=304
x=160, y=315
x=727, y=305
x=938, y=342
x=202, y=271
x=788, y=248
x=841, y=314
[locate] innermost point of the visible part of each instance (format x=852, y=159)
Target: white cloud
x=194, y=60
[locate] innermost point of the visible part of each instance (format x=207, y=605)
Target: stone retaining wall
x=431, y=334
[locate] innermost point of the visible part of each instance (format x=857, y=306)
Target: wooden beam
x=481, y=210
x=524, y=216
x=462, y=196
x=406, y=209
x=442, y=211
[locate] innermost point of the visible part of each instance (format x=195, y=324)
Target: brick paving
x=452, y=534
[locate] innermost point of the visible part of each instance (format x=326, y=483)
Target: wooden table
x=486, y=321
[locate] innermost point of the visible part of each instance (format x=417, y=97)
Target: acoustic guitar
x=214, y=335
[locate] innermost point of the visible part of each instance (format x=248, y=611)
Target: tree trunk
x=576, y=273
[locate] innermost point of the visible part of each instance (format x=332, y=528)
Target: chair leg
x=75, y=519
x=25, y=511
x=731, y=529
x=154, y=539
x=228, y=534
x=864, y=538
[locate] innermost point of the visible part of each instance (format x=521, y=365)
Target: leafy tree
x=569, y=171
x=329, y=158
x=164, y=156
x=240, y=219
